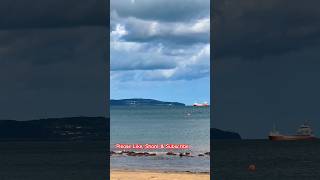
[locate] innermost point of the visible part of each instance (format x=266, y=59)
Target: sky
x=266, y=62
x=53, y=57
x=160, y=49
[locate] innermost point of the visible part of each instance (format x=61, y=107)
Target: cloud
x=17, y=14
x=118, y=32
x=266, y=57
x=137, y=56
x=198, y=66
x=177, y=68
x=162, y=10
x=50, y=72
x=196, y=31
x=140, y=61
x=159, y=44
x=52, y=46
x=142, y=30
x=252, y=29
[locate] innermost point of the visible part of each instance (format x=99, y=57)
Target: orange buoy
x=252, y=167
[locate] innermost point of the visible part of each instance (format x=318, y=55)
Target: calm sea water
x=161, y=125
x=33, y=160
x=298, y=160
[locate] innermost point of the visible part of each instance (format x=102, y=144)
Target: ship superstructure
x=204, y=104
x=304, y=132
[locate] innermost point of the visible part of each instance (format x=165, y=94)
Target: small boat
x=303, y=133
x=205, y=104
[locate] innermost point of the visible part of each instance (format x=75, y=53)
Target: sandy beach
x=150, y=175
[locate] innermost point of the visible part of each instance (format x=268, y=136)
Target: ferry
x=205, y=104
x=303, y=133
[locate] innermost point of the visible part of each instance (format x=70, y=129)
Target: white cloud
x=197, y=66
x=118, y=32
x=139, y=30
x=198, y=26
x=158, y=49
x=154, y=65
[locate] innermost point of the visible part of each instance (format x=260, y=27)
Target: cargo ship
x=205, y=104
x=303, y=133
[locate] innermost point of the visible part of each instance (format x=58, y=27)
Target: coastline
x=117, y=174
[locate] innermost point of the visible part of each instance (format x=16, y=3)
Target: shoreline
x=159, y=153
x=157, y=171
x=126, y=174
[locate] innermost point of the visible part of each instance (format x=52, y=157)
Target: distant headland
x=60, y=129
x=73, y=128
x=217, y=134
x=143, y=102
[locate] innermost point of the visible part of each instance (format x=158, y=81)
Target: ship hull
x=205, y=105
x=290, y=138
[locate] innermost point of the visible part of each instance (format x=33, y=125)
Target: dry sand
x=149, y=175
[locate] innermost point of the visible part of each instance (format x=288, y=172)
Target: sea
x=161, y=125
x=286, y=160
x=52, y=160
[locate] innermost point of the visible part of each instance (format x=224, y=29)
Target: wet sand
x=151, y=175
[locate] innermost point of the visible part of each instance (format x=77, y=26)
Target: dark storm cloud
x=17, y=14
x=162, y=10
x=266, y=66
x=252, y=29
x=51, y=45
x=50, y=72
x=53, y=59
x=251, y=96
